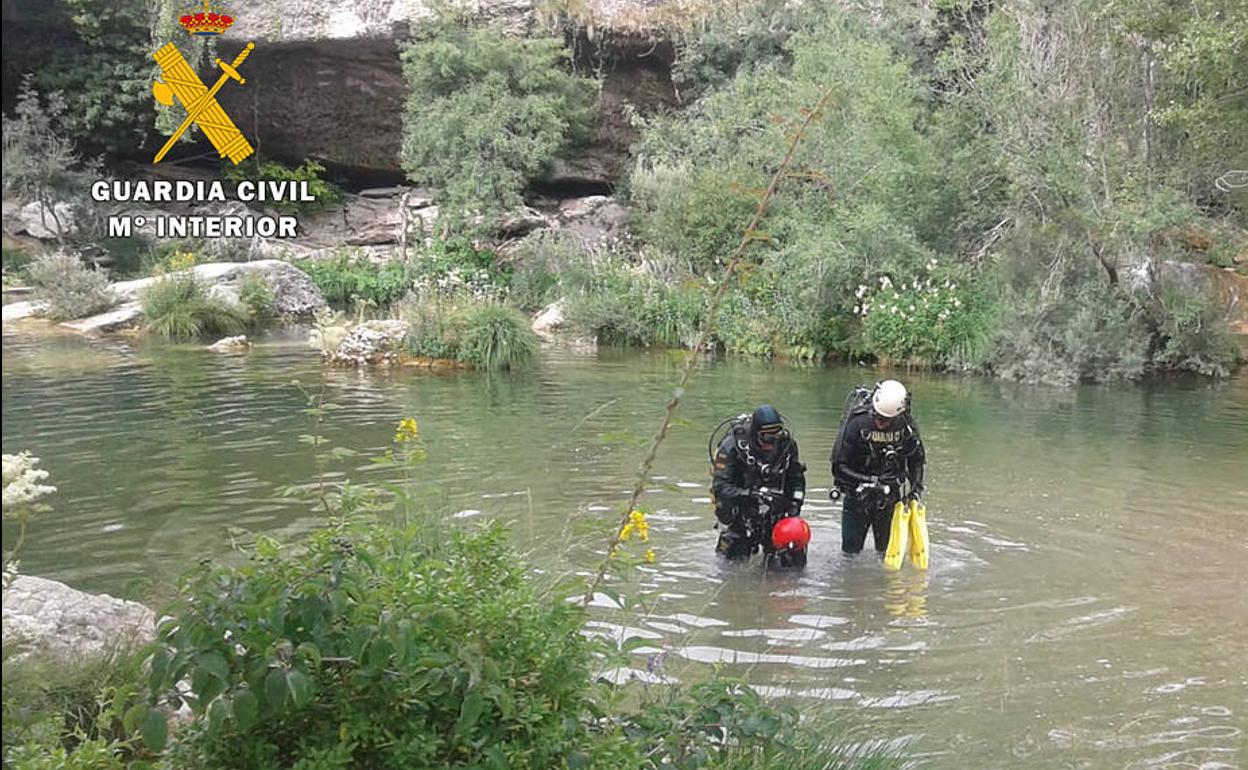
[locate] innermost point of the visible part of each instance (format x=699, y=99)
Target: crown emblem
x=206, y=23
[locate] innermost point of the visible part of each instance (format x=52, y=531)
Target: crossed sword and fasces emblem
x=200, y=102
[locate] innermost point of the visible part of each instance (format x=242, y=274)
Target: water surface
x=1085, y=606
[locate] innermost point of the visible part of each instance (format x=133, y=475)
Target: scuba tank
x=857, y=402
x=721, y=431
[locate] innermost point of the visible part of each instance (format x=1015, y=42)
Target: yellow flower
x=637, y=517
x=182, y=260
x=625, y=533
x=650, y=557
x=407, y=431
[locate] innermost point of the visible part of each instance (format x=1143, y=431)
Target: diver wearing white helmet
x=877, y=461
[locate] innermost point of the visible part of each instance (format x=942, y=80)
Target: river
x=1085, y=606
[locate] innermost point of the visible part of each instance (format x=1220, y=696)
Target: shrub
x=379, y=648
x=536, y=263
x=617, y=301
x=1193, y=336
x=347, y=278
x=327, y=194
x=455, y=267
x=70, y=713
x=936, y=315
x=70, y=288
x=255, y=297
x=486, y=111
x=178, y=306
x=495, y=337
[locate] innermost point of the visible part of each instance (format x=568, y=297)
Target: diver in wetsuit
x=758, y=479
x=878, y=460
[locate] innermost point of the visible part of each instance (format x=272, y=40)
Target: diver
x=877, y=461
x=758, y=484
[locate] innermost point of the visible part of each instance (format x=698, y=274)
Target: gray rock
x=124, y=316
x=230, y=344
x=371, y=343
x=38, y=221
x=16, y=311
x=50, y=617
x=294, y=293
x=550, y=319
x=598, y=220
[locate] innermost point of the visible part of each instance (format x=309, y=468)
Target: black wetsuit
x=893, y=455
x=740, y=471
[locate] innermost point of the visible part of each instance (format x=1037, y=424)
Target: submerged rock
x=230, y=344
x=49, y=617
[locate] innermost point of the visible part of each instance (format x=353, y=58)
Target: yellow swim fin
x=900, y=529
x=918, y=534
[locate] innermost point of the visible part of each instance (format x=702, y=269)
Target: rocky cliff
x=325, y=80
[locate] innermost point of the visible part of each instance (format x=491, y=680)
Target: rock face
x=328, y=81
x=53, y=618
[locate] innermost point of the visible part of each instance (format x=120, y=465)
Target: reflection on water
x=1085, y=605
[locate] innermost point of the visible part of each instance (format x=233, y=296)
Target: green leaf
x=300, y=687
x=246, y=709
x=155, y=730
x=470, y=712
x=214, y=663
x=275, y=689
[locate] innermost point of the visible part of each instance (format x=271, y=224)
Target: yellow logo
x=202, y=108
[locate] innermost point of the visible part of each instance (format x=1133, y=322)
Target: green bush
x=1192, y=336
x=379, y=648
x=618, y=305
x=938, y=316
x=79, y=714
x=495, y=337
x=347, y=278
x=486, y=112
x=70, y=288
x=455, y=266
x=177, y=306
x=327, y=194
x=536, y=264
x=255, y=297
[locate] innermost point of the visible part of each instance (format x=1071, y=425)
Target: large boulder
x=51, y=618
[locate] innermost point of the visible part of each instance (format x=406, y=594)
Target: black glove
x=795, y=509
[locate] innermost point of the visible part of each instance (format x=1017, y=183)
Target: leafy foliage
x=346, y=278
x=378, y=648
x=40, y=160
x=327, y=194
x=70, y=288
x=102, y=67
x=485, y=113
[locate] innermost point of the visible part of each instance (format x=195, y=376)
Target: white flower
x=861, y=291
x=957, y=302
x=21, y=480
x=857, y=309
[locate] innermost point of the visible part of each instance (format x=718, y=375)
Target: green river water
x=1085, y=606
